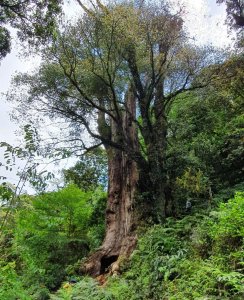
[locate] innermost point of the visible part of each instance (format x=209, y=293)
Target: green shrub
x=231, y=219
x=192, y=258
x=54, y=232
x=87, y=289
x=11, y=287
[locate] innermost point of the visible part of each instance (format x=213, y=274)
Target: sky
x=204, y=21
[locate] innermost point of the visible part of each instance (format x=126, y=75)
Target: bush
x=11, y=287
x=53, y=232
x=192, y=258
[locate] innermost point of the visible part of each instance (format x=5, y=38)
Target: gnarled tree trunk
x=121, y=213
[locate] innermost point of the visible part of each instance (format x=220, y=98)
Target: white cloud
x=195, y=5
x=205, y=22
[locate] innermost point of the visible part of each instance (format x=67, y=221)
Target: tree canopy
x=235, y=18
x=93, y=65
x=235, y=12
x=32, y=19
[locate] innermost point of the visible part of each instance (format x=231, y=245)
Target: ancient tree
x=115, y=75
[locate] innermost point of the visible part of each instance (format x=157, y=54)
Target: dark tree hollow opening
x=106, y=262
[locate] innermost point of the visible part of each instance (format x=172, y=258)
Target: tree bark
x=121, y=213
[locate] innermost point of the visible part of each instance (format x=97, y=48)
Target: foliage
x=197, y=257
x=51, y=233
x=32, y=19
x=216, y=268
x=206, y=138
x=235, y=12
x=90, y=171
x=105, y=71
x=230, y=226
x=48, y=236
x=4, y=42
x=29, y=153
x=6, y=193
x=83, y=290
x=193, y=182
x=96, y=223
x=10, y=284
x=235, y=18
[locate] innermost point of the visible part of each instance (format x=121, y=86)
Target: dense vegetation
x=199, y=256
x=154, y=205
x=45, y=238
x=196, y=255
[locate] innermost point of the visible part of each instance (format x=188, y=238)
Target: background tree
x=89, y=172
x=47, y=237
x=235, y=12
x=235, y=18
x=32, y=19
x=206, y=136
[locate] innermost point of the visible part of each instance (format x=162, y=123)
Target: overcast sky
x=205, y=22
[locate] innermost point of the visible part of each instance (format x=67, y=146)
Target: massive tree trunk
x=121, y=212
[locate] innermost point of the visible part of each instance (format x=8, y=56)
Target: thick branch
x=135, y=72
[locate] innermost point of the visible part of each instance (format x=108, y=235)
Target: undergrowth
x=197, y=257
